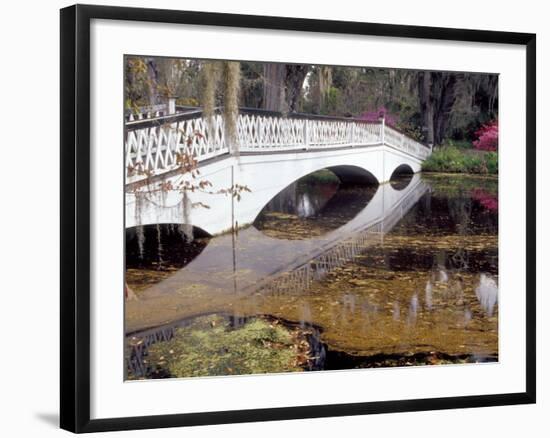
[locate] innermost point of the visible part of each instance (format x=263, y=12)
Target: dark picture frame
x=75, y=216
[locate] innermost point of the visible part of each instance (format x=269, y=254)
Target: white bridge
x=266, y=154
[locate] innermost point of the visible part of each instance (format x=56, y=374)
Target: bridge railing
x=152, y=145
x=399, y=140
x=146, y=112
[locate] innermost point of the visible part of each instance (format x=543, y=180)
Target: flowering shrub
x=487, y=137
x=487, y=200
x=374, y=116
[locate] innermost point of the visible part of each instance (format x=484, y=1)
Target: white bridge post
x=382, y=127
x=172, y=104
x=306, y=134
x=171, y=109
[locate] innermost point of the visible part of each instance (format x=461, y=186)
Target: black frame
x=75, y=217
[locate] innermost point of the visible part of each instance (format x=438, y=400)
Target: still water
x=327, y=277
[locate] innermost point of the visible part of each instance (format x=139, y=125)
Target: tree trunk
x=274, y=87
x=152, y=76
x=426, y=105
x=446, y=101
x=295, y=76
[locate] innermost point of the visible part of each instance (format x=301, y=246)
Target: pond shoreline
x=434, y=173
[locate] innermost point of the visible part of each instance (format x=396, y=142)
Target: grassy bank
x=452, y=159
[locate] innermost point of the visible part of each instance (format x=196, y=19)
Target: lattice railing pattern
x=258, y=133
x=317, y=268
x=138, y=347
x=399, y=140
x=154, y=148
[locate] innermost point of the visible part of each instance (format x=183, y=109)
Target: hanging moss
x=211, y=73
x=140, y=199
x=159, y=246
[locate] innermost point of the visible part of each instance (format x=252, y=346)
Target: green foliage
x=322, y=176
x=455, y=160
x=460, y=144
x=208, y=347
x=491, y=160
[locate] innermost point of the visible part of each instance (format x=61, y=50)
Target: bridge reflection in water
x=429, y=286
x=234, y=266
x=345, y=249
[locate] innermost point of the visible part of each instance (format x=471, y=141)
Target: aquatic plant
x=210, y=347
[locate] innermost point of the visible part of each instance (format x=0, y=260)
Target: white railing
x=397, y=139
x=147, y=112
x=152, y=146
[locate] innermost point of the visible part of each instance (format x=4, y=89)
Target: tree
x=426, y=105
x=437, y=95
x=445, y=91
x=252, y=84
x=283, y=85
x=274, y=86
x=295, y=76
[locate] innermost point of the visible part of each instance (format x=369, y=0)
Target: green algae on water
x=210, y=347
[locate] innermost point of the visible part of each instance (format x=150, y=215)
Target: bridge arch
x=328, y=203
x=401, y=177
x=354, y=175
x=166, y=227
x=401, y=170
x=347, y=174
x=163, y=245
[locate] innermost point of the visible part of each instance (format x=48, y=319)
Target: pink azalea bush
x=487, y=137
x=374, y=116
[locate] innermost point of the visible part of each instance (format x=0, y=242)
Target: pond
x=328, y=277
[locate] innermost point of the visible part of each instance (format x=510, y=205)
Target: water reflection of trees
x=487, y=293
x=305, y=210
